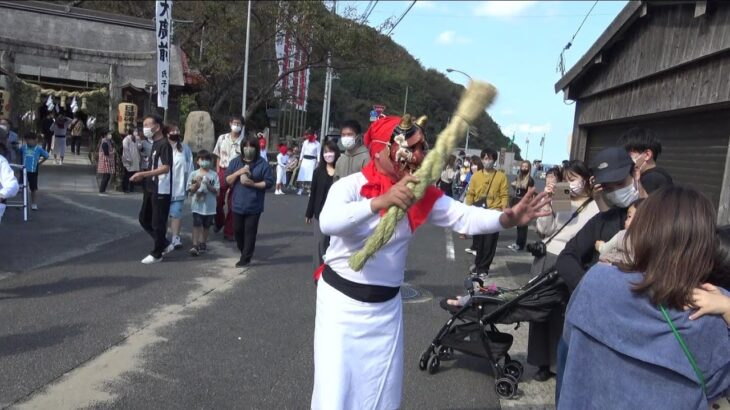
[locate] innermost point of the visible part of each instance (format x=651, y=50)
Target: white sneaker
x=299, y=192
x=34, y=207
x=149, y=259
x=471, y=251
x=169, y=249
x=176, y=242
x=514, y=247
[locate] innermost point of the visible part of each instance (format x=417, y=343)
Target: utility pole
x=527, y=147
x=245, y=69
x=202, y=36
x=327, y=90
x=542, y=144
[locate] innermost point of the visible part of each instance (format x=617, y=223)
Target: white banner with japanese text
x=163, y=18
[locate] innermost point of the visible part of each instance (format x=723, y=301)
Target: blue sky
x=515, y=45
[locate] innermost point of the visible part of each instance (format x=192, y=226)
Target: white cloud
x=527, y=128
x=502, y=8
x=449, y=37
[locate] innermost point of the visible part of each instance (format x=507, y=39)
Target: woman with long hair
x=249, y=176
x=555, y=230
x=448, y=175
x=322, y=180
x=628, y=339
x=520, y=185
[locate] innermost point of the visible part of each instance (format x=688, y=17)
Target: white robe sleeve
x=8, y=184
x=464, y=219
x=344, y=210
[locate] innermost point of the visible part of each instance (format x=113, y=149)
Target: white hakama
x=306, y=166
x=358, y=352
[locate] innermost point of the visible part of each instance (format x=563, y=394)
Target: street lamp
x=451, y=70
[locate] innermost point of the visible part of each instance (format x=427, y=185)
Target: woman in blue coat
x=249, y=176
x=628, y=342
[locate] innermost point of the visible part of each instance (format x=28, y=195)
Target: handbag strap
x=687, y=353
x=575, y=214
x=489, y=187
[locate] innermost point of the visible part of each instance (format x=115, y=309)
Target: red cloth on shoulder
x=379, y=184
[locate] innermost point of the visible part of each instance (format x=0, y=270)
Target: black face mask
x=174, y=137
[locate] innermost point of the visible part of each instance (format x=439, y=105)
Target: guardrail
x=24, y=187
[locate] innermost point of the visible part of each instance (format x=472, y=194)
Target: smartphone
x=561, y=197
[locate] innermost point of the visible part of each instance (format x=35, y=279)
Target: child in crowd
x=292, y=163
x=282, y=158
x=203, y=187
x=106, y=165
x=33, y=156
x=616, y=251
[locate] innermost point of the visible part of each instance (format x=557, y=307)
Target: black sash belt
x=309, y=157
x=359, y=291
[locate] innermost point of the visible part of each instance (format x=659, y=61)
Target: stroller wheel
x=506, y=387
x=514, y=368
x=423, y=362
x=446, y=353
x=433, y=364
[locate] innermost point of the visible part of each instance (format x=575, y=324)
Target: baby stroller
x=471, y=328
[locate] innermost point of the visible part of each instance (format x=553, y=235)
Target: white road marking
x=450, y=255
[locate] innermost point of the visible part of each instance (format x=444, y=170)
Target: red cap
x=378, y=135
x=282, y=149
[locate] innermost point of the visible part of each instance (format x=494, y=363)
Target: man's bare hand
x=399, y=195
x=529, y=208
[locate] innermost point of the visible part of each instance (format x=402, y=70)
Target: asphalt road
x=84, y=324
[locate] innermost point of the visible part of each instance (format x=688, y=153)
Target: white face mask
x=577, y=187
x=488, y=163
x=236, y=128
x=329, y=157
x=147, y=132
x=4, y=127
x=622, y=197
x=348, y=142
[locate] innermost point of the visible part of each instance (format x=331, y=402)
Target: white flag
x=49, y=103
x=163, y=18
x=74, y=105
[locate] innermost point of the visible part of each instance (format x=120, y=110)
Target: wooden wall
x=667, y=37
x=695, y=146
x=700, y=84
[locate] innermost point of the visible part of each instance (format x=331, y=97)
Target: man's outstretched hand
x=528, y=209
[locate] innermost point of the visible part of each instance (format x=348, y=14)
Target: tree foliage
x=372, y=69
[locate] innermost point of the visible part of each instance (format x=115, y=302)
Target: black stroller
x=471, y=328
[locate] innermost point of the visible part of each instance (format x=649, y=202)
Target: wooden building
x=663, y=65
x=68, y=48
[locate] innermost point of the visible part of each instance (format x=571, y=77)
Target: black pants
x=521, y=237
x=47, y=140
x=153, y=218
x=104, y=182
x=127, y=185
x=245, y=228
x=75, y=144
x=486, y=247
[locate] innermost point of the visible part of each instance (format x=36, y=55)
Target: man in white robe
x=358, y=339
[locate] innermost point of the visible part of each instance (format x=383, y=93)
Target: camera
x=537, y=249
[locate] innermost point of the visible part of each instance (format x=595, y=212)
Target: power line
x=401, y=17
x=561, y=61
x=375, y=3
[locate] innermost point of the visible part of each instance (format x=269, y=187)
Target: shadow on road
x=26, y=342
x=71, y=285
